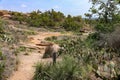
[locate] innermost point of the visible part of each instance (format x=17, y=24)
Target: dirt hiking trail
x=26, y=67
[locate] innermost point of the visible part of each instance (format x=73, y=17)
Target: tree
x=88, y=15
x=118, y=1
x=38, y=11
x=105, y=10
x=78, y=18
x=18, y=16
x=72, y=23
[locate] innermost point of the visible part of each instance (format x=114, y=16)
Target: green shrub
x=1, y=65
x=68, y=69
x=47, y=19
x=1, y=56
x=1, y=28
x=29, y=33
x=6, y=38
x=104, y=28
x=51, y=38
x=113, y=40
x=1, y=69
x=71, y=25
x=18, y=17
x=92, y=39
x=108, y=41
x=22, y=48
x=94, y=36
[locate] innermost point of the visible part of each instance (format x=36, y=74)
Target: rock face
x=5, y=14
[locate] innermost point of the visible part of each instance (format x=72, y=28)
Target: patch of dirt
x=26, y=67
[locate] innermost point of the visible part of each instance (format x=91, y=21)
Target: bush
x=109, y=41
x=51, y=38
x=46, y=19
x=92, y=40
x=67, y=69
x=113, y=40
x=104, y=28
x=17, y=16
x=1, y=65
x=71, y=25
x=1, y=69
x=1, y=28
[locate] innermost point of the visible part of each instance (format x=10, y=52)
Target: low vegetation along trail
x=26, y=67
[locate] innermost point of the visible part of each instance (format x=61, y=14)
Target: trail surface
x=26, y=67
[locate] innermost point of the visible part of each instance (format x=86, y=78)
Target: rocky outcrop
x=5, y=14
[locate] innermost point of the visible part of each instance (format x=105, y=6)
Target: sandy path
x=27, y=62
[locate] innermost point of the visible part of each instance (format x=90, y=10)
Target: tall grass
x=68, y=69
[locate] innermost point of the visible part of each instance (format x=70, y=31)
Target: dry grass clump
x=9, y=63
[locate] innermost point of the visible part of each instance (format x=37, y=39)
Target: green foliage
x=104, y=28
x=72, y=24
x=62, y=70
x=29, y=32
x=92, y=39
x=1, y=56
x=3, y=36
x=49, y=19
x=18, y=16
x=105, y=9
x=22, y=48
x=118, y=1
x=1, y=65
x=94, y=36
x=116, y=18
x=1, y=69
x=109, y=41
x=1, y=27
x=88, y=15
x=6, y=38
x=53, y=38
x=7, y=63
x=107, y=13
